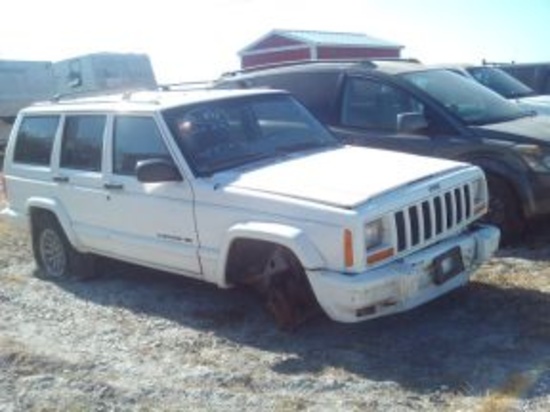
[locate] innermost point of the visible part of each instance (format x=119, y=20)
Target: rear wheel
x=55, y=256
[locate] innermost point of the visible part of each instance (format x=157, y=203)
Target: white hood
x=344, y=177
x=541, y=104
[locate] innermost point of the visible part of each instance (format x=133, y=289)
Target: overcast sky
x=198, y=40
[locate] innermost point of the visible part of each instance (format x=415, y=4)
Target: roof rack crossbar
x=366, y=62
x=105, y=96
x=79, y=96
x=183, y=86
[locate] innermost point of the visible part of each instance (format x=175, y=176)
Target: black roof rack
x=125, y=94
x=96, y=96
x=77, y=96
x=490, y=63
x=368, y=63
x=183, y=86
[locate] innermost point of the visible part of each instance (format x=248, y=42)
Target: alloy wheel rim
x=53, y=254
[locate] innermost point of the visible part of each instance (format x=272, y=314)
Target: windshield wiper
x=224, y=164
x=503, y=119
x=519, y=95
x=306, y=146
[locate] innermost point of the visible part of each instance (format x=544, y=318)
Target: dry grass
x=524, y=268
x=2, y=199
x=14, y=245
x=494, y=343
x=514, y=388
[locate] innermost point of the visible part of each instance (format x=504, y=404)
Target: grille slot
x=415, y=232
x=449, y=209
x=401, y=236
x=438, y=215
x=428, y=220
x=421, y=222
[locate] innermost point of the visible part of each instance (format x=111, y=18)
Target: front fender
x=290, y=237
x=515, y=177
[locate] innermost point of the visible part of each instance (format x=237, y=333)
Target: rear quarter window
x=34, y=140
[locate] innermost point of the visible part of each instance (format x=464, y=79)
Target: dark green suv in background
x=409, y=107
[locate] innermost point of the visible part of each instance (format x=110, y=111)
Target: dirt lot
x=135, y=339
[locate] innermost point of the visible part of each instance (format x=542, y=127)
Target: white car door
x=78, y=174
x=150, y=223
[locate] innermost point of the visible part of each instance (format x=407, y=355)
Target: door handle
x=113, y=186
x=60, y=179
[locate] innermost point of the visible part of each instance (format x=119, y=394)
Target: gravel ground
x=136, y=339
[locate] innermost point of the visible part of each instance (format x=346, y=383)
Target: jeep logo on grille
x=434, y=188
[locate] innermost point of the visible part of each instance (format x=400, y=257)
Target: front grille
x=433, y=217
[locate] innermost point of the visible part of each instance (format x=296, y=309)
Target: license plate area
x=448, y=265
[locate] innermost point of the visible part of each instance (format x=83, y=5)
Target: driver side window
x=373, y=105
x=136, y=138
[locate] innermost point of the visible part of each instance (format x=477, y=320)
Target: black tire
x=286, y=292
x=504, y=210
x=55, y=257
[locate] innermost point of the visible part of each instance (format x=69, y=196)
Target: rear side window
x=83, y=142
x=34, y=140
x=135, y=139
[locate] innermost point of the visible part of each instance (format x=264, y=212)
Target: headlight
x=378, y=241
x=546, y=161
x=374, y=234
x=479, y=193
x=535, y=156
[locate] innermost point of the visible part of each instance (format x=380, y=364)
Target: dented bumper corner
x=407, y=282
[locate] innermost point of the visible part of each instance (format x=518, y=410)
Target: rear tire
x=55, y=257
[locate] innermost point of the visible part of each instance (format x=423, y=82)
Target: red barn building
x=280, y=46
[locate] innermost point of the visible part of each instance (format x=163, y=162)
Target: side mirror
x=411, y=122
x=157, y=170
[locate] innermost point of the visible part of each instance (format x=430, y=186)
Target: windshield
x=473, y=103
x=501, y=82
x=221, y=135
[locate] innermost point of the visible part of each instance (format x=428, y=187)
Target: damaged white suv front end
x=415, y=244
x=391, y=230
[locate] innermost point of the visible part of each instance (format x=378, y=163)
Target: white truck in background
x=22, y=83
x=25, y=82
x=103, y=72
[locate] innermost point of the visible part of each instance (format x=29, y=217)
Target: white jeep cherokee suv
x=243, y=187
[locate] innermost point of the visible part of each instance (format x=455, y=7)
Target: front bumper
x=402, y=284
